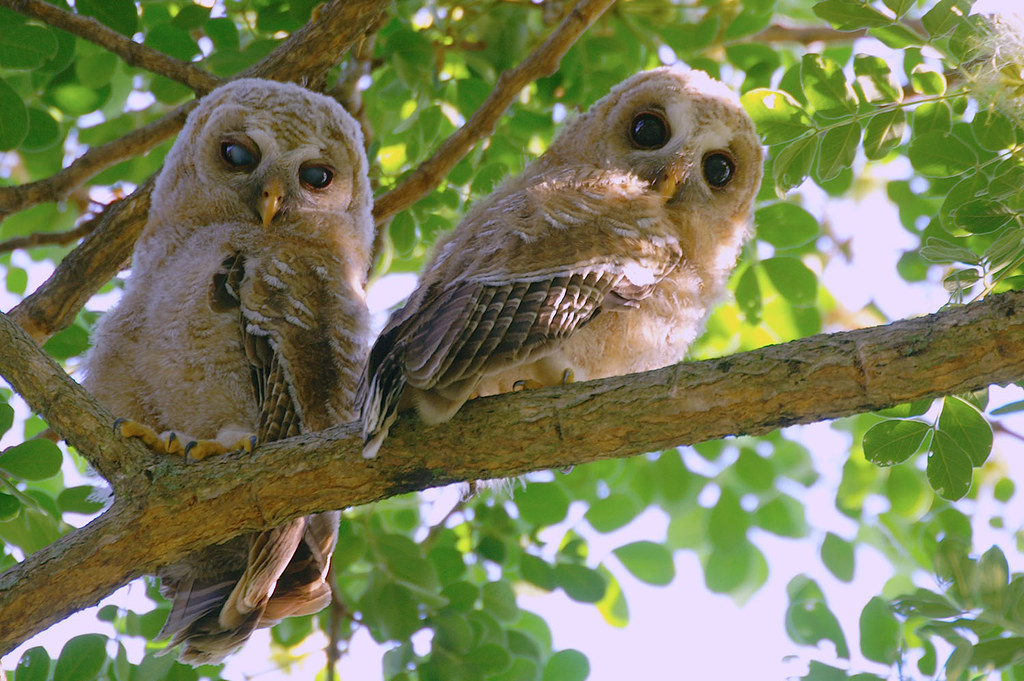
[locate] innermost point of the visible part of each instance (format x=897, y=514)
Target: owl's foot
x=526, y=384
x=168, y=443
x=171, y=444
x=198, y=450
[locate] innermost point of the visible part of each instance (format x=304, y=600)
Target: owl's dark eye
x=719, y=169
x=237, y=155
x=649, y=130
x=316, y=177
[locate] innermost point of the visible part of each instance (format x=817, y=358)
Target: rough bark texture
x=164, y=508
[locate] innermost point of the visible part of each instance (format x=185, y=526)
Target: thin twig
x=48, y=238
x=541, y=62
x=133, y=53
x=97, y=159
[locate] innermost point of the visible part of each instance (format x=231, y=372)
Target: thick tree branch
x=177, y=508
x=133, y=53
x=308, y=53
x=542, y=62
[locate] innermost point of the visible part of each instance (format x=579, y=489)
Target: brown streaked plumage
x=601, y=259
x=245, y=316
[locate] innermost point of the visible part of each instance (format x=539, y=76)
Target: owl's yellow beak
x=670, y=181
x=270, y=200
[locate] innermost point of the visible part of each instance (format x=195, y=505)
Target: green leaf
x=782, y=516
x=43, y=132
x=826, y=87
x=837, y=150
x=850, y=15
x=945, y=16
x=926, y=603
x=647, y=561
x=82, y=658
x=809, y=620
x=566, y=665
x=489, y=659
x=883, y=133
x=71, y=342
x=542, y=503
x=879, y=632
x=968, y=427
x=9, y=507
x=899, y=7
x=34, y=665
x=876, y=80
x=939, y=154
x=26, y=46
x=612, y=512
x=500, y=601
x=792, y=163
x=981, y=216
x=927, y=81
x=932, y=117
x=37, y=459
x=748, y=295
x=785, y=225
x=949, y=467
x=792, y=279
x=993, y=130
x=779, y=117
x=580, y=583
x=727, y=522
x=537, y=571
x=79, y=500
x=393, y=609
x=13, y=118
x=6, y=417
x=172, y=40
x=95, y=69
x=755, y=471
x=998, y=653
x=893, y=441
x=120, y=15
x=991, y=578
x=837, y=555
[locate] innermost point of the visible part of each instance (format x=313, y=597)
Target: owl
x=601, y=259
x=244, y=321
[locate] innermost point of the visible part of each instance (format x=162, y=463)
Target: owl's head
x=683, y=134
x=267, y=155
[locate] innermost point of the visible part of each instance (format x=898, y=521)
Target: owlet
x=244, y=321
x=601, y=259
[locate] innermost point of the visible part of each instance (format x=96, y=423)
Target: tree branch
x=133, y=53
x=48, y=238
x=308, y=53
x=177, y=508
x=96, y=159
x=542, y=61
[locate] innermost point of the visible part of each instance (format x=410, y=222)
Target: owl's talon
x=117, y=425
x=526, y=384
x=245, y=444
x=197, y=450
x=568, y=377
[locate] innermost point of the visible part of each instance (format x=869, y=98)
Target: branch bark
x=167, y=509
x=133, y=53
x=308, y=53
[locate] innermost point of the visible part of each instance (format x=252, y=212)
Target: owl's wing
x=459, y=331
x=278, y=416
x=285, y=571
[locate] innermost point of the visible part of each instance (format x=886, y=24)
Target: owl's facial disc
x=270, y=200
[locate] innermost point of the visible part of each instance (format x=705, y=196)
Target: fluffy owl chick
x=245, y=314
x=601, y=259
